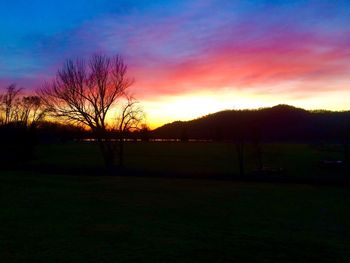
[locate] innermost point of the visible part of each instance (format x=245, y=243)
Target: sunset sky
x=189, y=58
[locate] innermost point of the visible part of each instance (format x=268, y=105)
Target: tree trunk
x=240, y=157
x=107, y=152
x=121, y=153
x=259, y=156
x=347, y=156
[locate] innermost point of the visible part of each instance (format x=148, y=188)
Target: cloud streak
x=295, y=48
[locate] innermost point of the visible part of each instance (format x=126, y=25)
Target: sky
x=189, y=58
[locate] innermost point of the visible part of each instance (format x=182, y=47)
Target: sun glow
x=184, y=107
x=189, y=106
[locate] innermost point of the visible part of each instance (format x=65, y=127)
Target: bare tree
x=19, y=117
x=25, y=111
x=84, y=92
x=9, y=104
x=130, y=119
x=30, y=111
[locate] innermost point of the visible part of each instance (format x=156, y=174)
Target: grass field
x=50, y=217
x=56, y=218
x=198, y=159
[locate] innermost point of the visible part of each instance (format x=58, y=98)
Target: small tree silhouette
x=9, y=102
x=239, y=143
x=257, y=146
x=130, y=119
x=19, y=116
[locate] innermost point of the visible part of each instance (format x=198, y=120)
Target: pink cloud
x=179, y=54
x=270, y=60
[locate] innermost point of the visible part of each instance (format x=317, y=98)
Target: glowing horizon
x=170, y=105
x=190, y=58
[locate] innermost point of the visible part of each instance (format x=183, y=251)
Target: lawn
x=197, y=159
x=62, y=218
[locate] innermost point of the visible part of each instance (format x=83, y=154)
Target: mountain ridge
x=281, y=122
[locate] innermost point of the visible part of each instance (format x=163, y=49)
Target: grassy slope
x=48, y=218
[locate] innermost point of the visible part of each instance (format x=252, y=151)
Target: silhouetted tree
x=345, y=141
x=84, y=92
x=19, y=116
x=9, y=104
x=31, y=111
x=257, y=146
x=184, y=135
x=218, y=136
x=130, y=119
x=239, y=143
x=240, y=155
x=346, y=150
x=49, y=132
x=144, y=133
x=24, y=111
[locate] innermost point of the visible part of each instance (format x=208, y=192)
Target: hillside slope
x=281, y=123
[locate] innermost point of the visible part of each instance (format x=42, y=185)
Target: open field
x=57, y=218
x=300, y=161
x=61, y=215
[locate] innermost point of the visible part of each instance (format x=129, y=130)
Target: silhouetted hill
x=279, y=123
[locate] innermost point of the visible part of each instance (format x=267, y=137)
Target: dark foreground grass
x=51, y=218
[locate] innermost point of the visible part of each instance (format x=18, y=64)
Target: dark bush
x=17, y=144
